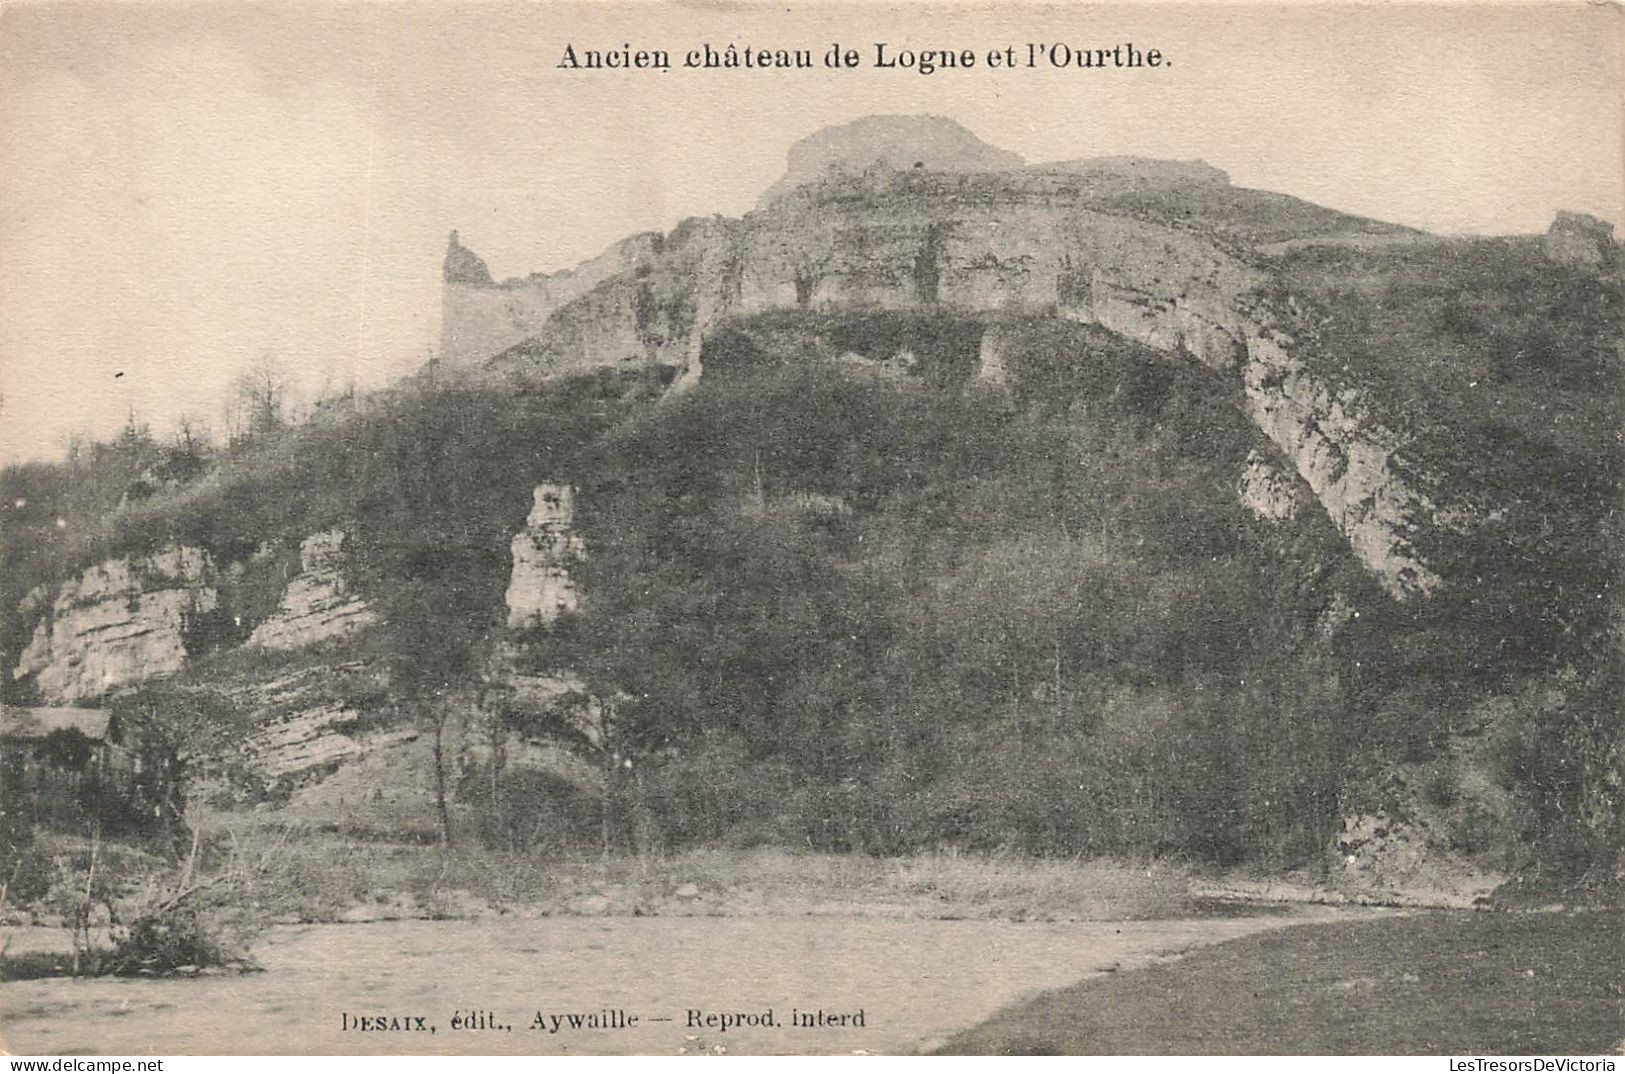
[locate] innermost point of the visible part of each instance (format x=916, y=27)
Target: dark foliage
x=880, y=612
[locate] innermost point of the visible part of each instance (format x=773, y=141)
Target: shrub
x=529, y=810
x=167, y=937
x=128, y=917
x=25, y=876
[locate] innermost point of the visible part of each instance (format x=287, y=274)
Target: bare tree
x=190, y=434
x=258, y=406
x=187, y=453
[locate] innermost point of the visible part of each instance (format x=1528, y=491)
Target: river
x=914, y=981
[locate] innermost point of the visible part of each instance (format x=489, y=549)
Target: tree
x=259, y=401
x=185, y=737
x=432, y=666
x=187, y=454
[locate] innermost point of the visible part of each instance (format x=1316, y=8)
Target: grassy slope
x=317, y=876
x=1469, y=332
x=1505, y=370
x=1239, y=215
x=1435, y=984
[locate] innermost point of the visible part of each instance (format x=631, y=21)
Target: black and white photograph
x=581, y=529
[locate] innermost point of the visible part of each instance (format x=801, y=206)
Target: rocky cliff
x=1265, y=490
x=543, y=552
x=136, y=619
x=132, y=620
x=123, y=621
x=936, y=397
x=1167, y=254
x=304, y=723
x=540, y=588
x=483, y=317
x=888, y=143
x=318, y=604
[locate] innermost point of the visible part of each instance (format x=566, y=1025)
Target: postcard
x=815, y=529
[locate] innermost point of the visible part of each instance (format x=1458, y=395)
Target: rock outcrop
x=561, y=714
x=1349, y=459
x=558, y=704
x=540, y=587
x=1582, y=240
x=1430, y=831
x=1266, y=491
x=892, y=143
x=318, y=604
x=482, y=318
x=306, y=721
x=122, y=622
x=990, y=357
x=1110, y=242
x=289, y=746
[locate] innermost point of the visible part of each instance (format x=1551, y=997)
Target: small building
x=45, y=734
x=54, y=762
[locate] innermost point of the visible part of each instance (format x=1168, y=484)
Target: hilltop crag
x=1087, y=508
x=915, y=214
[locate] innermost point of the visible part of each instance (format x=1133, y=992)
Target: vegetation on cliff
x=841, y=594
x=1504, y=368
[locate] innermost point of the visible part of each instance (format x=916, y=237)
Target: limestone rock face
x=563, y=715
x=122, y=622
x=291, y=745
x=1266, y=491
x=971, y=232
x=318, y=604
x=481, y=318
x=555, y=699
x=541, y=587
x=1349, y=461
x=303, y=728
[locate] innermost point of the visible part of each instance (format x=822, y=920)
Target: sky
x=187, y=192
